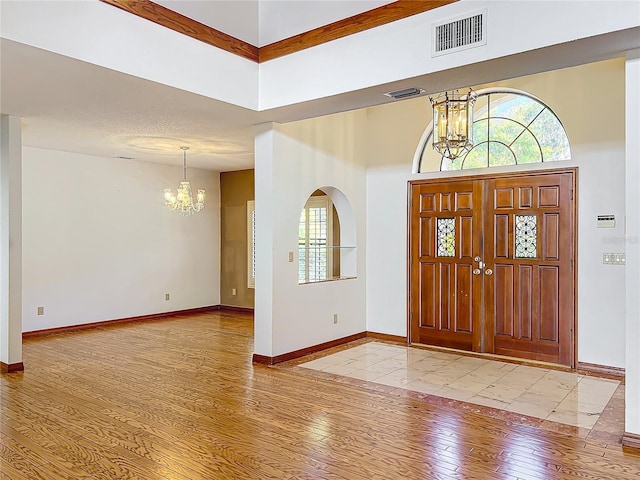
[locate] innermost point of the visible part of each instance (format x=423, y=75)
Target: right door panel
x=528, y=233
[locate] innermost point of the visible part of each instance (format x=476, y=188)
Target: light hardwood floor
x=180, y=399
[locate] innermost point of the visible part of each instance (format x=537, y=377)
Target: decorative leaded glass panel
x=446, y=237
x=526, y=236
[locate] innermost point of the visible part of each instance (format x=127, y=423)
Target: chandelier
x=182, y=201
x=453, y=123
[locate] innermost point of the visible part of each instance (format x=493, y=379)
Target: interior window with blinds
x=314, y=240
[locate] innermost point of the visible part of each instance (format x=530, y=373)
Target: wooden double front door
x=492, y=264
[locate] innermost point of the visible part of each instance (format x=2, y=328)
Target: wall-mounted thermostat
x=606, y=221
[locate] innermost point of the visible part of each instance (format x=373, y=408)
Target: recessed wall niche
x=326, y=238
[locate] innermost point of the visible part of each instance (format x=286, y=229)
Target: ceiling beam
x=363, y=21
x=348, y=26
x=187, y=26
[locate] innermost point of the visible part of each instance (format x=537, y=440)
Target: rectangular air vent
x=405, y=93
x=453, y=35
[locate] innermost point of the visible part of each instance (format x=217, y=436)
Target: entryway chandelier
x=182, y=201
x=453, y=123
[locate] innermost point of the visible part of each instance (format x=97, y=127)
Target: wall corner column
x=265, y=231
x=10, y=244
x=632, y=268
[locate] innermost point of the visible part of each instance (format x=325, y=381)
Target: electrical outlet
x=335, y=318
x=167, y=297
x=40, y=310
x=233, y=291
x=290, y=257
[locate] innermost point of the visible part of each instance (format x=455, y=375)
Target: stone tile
x=455, y=393
x=577, y=419
x=439, y=378
x=533, y=372
x=362, y=363
x=467, y=384
x=488, y=402
x=571, y=404
x=592, y=398
x=428, y=365
x=368, y=375
x=514, y=378
x=565, y=378
x=597, y=386
x=472, y=362
x=502, y=393
x=339, y=369
x=481, y=375
x=323, y=362
x=548, y=388
x=399, y=378
x=530, y=409
x=450, y=357
x=503, y=367
x=420, y=385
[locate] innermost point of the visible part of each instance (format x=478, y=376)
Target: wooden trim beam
x=179, y=23
x=233, y=308
x=615, y=372
x=631, y=440
x=266, y=360
x=358, y=23
x=11, y=367
x=388, y=338
x=118, y=321
x=348, y=26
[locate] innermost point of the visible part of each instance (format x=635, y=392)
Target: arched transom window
x=510, y=127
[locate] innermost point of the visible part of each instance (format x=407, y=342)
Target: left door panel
x=446, y=241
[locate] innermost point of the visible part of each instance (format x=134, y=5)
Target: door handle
x=488, y=271
x=476, y=271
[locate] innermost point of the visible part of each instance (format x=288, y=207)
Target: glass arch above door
x=510, y=127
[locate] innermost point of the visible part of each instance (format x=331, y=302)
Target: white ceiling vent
x=453, y=35
x=405, y=93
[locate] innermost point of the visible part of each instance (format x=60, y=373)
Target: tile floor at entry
x=556, y=396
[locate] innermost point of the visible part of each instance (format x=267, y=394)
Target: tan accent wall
x=236, y=188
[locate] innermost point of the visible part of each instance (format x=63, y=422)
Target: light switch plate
x=614, y=258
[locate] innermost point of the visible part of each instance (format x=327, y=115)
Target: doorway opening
x=492, y=265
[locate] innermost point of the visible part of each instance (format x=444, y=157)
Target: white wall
x=292, y=161
x=101, y=34
x=589, y=100
x=402, y=49
x=99, y=244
